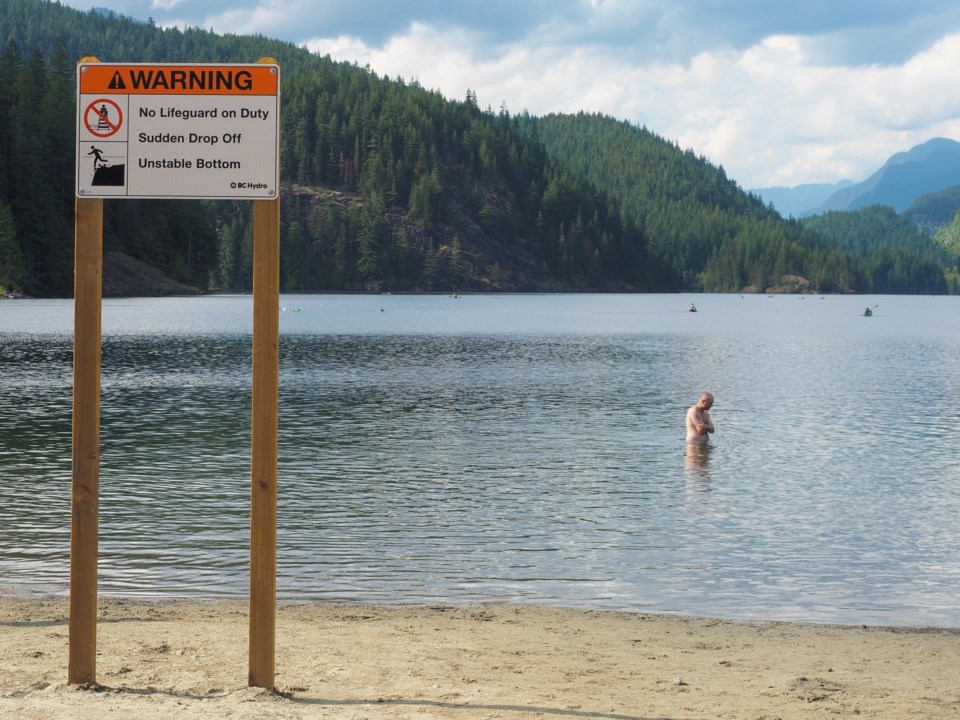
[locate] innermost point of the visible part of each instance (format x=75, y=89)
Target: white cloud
x=164, y=5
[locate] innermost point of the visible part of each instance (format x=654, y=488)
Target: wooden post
x=84, y=530
x=263, y=492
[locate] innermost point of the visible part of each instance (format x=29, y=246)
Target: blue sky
x=777, y=92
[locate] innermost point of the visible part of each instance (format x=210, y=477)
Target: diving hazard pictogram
x=109, y=164
x=103, y=118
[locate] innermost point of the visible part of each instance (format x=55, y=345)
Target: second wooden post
x=264, y=426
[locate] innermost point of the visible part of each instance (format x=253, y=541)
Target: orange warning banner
x=104, y=78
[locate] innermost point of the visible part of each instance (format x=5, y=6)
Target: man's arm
x=706, y=424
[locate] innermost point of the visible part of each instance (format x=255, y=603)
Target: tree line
x=948, y=240
x=900, y=257
x=389, y=186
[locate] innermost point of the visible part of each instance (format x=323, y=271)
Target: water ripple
x=463, y=454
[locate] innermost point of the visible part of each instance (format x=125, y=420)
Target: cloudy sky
x=778, y=92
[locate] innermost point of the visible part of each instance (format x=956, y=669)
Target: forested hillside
x=947, y=239
x=719, y=237
x=900, y=254
x=388, y=186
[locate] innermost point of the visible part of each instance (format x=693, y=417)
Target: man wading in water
x=699, y=424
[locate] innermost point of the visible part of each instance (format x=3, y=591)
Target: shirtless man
x=699, y=424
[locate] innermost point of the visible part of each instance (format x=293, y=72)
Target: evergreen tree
x=387, y=185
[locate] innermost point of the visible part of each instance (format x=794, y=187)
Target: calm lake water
x=525, y=449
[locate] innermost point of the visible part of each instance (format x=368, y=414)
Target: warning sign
x=178, y=131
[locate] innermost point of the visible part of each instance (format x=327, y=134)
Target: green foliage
x=716, y=236
x=869, y=228
x=948, y=240
x=386, y=185
x=896, y=256
x=11, y=261
x=37, y=168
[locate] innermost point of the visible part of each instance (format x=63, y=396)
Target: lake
x=515, y=448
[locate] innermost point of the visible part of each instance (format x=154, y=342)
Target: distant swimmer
x=699, y=424
x=693, y=308
x=867, y=312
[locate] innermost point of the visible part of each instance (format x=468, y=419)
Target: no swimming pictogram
x=103, y=118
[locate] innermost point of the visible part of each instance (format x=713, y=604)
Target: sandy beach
x=189, y=660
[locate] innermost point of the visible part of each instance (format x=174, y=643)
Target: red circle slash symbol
x=103, y=118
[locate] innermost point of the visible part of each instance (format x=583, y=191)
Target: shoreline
x=28, y=593
x=188, y=659
x=17, y=593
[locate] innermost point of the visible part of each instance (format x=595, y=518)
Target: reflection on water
x=526, y=449
x=698, y=464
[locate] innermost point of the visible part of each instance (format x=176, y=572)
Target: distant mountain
x=800, y=200
x=926, y=168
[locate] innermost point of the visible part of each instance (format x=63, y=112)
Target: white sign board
x=178, y=131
